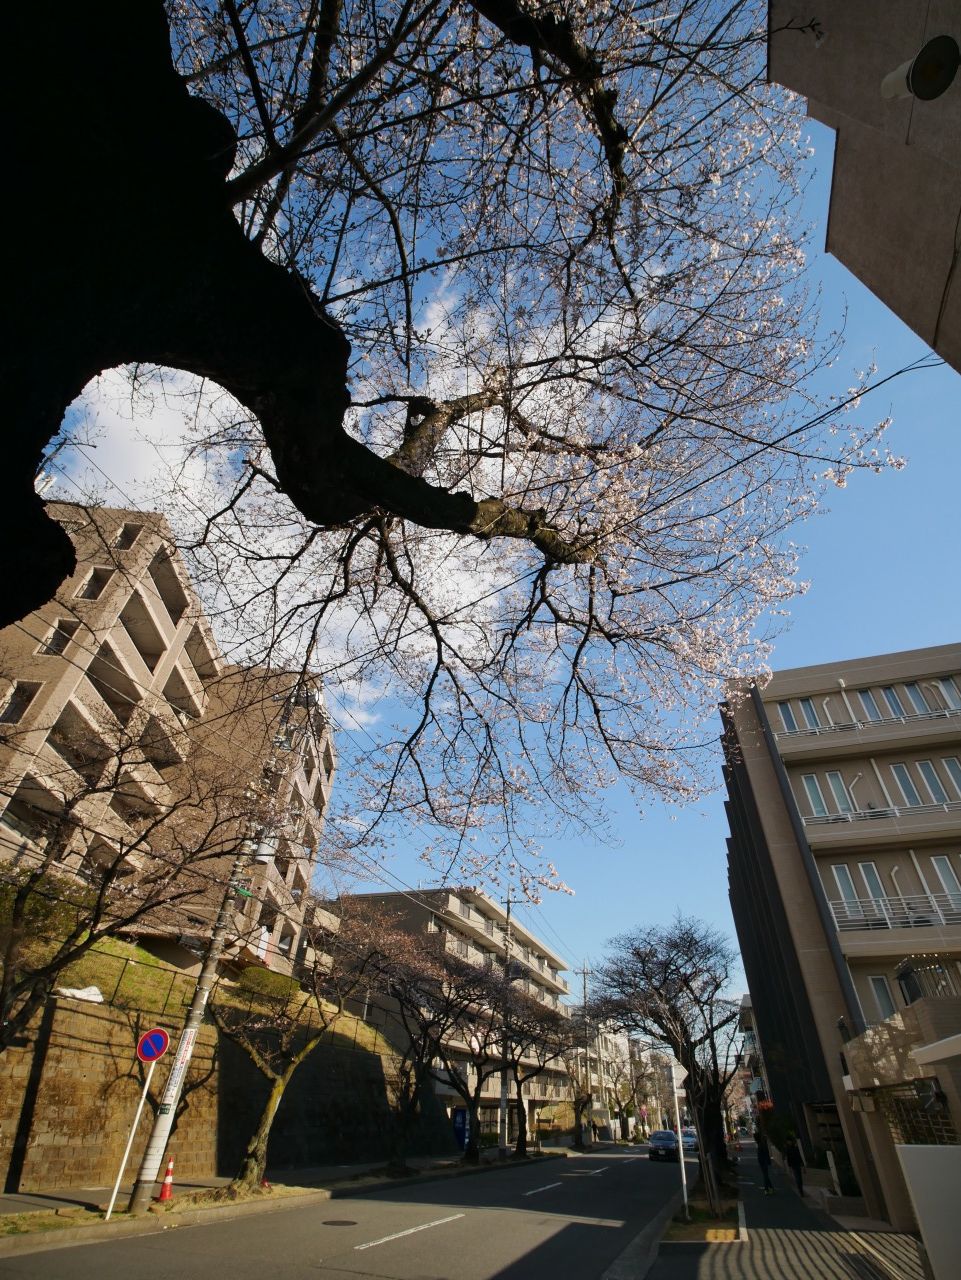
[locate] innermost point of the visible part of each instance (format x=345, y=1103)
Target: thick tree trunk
x=254, y=1166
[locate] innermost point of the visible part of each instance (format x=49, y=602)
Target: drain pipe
x=884, y=791
x=847, y=701
x=851, y=786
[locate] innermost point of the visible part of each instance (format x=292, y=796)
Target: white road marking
x=631, y=1159
x=546, y=1187
x=741, y=1223
x=409, y=1232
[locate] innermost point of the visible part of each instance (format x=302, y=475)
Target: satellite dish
x=928, y=74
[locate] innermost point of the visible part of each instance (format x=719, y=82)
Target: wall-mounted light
x=928, y=74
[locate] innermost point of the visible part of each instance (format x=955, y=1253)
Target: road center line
x=546, y=1187
x=409, y=1232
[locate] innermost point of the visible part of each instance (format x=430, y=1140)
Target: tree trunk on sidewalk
x=254, y=1166
x=472, y=1149
x=520, y=1146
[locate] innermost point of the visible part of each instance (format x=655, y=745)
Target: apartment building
x=844, y=804
x=478, y=929
x=896, y=183
x=116, y=703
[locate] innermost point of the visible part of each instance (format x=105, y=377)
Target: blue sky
x=882, y=561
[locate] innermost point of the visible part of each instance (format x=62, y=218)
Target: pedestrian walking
x=795, y=1161
x=764, y=1160
x=594, y=1130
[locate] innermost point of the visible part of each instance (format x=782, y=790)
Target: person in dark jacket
x=795, y=1161
x=764, y=1160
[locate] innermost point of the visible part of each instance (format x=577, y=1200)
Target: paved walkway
x=316, y=1176
x=789, y=1239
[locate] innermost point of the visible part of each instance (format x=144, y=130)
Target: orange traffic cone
x=167, y=1188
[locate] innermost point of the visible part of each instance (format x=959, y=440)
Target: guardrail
x=907, y=911
x=895, y=811
x=842, y=726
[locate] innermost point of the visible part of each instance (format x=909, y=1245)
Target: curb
x=640, y=1255
x=153, y=1224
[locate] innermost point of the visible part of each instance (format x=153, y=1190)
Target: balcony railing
x=845, y=726
x=907, y=911
x=896, y=811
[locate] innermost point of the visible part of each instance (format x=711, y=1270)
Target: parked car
x=662, y=1145
x=689, y=1139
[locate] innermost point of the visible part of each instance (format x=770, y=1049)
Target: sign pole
x=133, y=1130
x=675, y=1072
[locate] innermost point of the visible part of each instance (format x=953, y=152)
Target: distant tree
x=534, y=1036
x=446, y=1017
x=507, y=302
x=577, y=1064
x=669, y=983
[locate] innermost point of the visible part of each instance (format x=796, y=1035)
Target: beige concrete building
x=896, y=189
x=475, y=927
x=844, y=784
x=117, y=708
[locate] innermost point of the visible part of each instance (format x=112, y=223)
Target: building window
x=809, y=712
x=869, y=704
x=953, y=766
x=787, y=717
x=845, y=882
x=932, y=782
x=127, y=536
x=893, y=701
x=94, y=587
x=840, y=792
x=24, y=692
x=465, y=910
x=872, y=881
x=949, y=691
x=905, y=782
x=917, y=699
x=63, y=632
x=815, y=798
x=949, y=880
x=882, y=995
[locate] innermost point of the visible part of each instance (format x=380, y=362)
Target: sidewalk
x=314, y=1177
x=791, y=1240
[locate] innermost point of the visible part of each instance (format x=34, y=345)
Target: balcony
x=920, y=922
x=864, y=737
x=908, y=911
x=895, y=825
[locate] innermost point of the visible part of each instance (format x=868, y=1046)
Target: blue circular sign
x=153, y=1045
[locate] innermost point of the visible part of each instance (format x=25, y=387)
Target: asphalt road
x=550, y=1221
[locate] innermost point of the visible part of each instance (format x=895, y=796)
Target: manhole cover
x=339, y=1222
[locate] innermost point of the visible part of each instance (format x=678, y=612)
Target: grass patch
x=21, y=1224
x=704, y=1225
x=131, y=978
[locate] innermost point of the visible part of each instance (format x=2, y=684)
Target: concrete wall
x=68, y=1095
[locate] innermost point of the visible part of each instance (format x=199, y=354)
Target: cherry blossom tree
x=488, y=323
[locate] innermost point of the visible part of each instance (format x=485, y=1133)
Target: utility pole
x=163, y=1121
x=502, y=1128
x=585, y=973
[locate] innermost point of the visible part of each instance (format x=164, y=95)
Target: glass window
x=787, y=717
x=869, y=704
x=882, y=996
x=872, y=880
x=932, y=782
x=949, y=691
x=840, y=793
x=809, y=711
x=949, y=878
x=893, y=701
x=953, y=766
x=917, y=699
x=815, y=799
x=845, y=882
x=908, y=790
